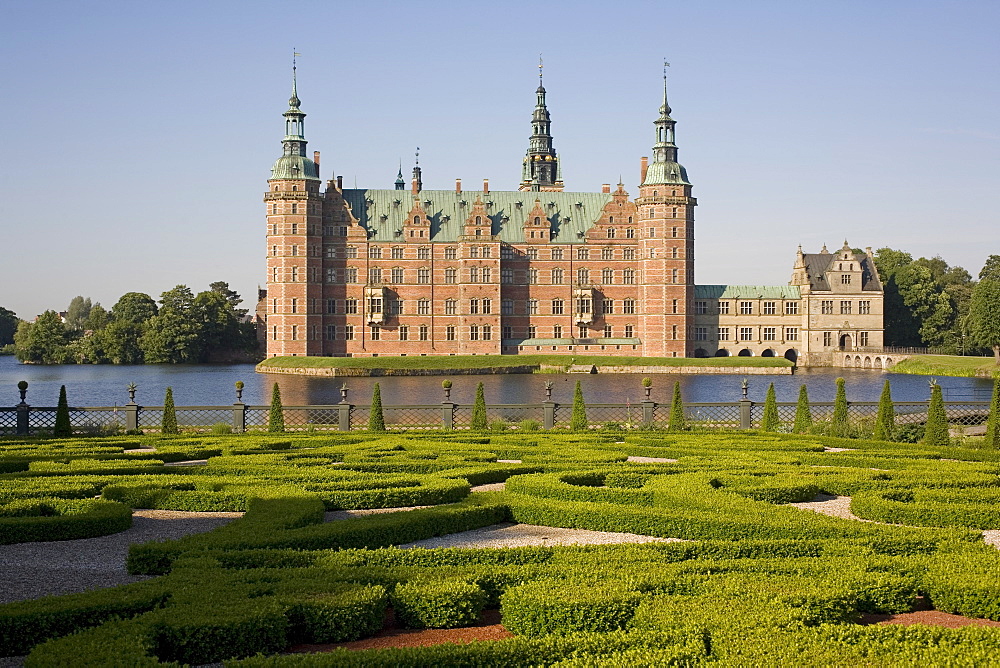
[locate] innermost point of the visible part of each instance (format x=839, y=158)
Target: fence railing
x=25, y=420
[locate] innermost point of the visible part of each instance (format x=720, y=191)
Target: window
x=557, y=253
x=487, y=274
x=295, y=209
x=607, y=276
x=474, y=333
x=828, y=339
x=608, y=306
x=532, y=253
x=450, y=275
x=557, y=332
x=506, y=276
x=397, y=253
x=331, y=275
x=532, y=331
x=582, y=253
x=863, y=339
x=628, y=276
x=474, y=306
x=826, y=307
x=295, y=305
x=450, y=253
x=473, y=274
x=770, y=334
x=274, y=333
x=424, y=253
x=845, y=308
x=583, y=276
x=723, y=308
x=701, y=308
x=583, y=305
x=629, y=331
x=331, y=332
x=791, y=333
x=581, y=331
x=349, y=332
x=330, y=251
x=674, y=275
x=374, y=275
x=487, y=306
x=628, y=253
x=673, y=306
x=675, y=252
x=746, y=333
x=295, y=274
x=791, y=308
x=424, y=307
x=607, y=331
x=351, y=252
x=628, y=307
x=274, y=228
x=611, y=232
x=397, y=275
x=507, y=332
x=630, y=233
x=295, y=250
x=673, y=332
x=701, y=333
x=487, y=333
x=423, y=275
x=423, y=333
x=507, y=307
x=769, y=308
x=723, y=333
x=351, y=275
x=607, y=253
x=557, y=276
x=474, y=252
x=864, y=307
x=532, y=306
x=532, y=276
x=342, y=231
x=845, y=279
x=274, y=274
x=375, y=305
x=350, y=306
x=746, y=308
x=673, y=232
x=376, y=334
x=557, y=307
x=450, y=307
x=331, y=305
x=404, y=333
x=374, y=252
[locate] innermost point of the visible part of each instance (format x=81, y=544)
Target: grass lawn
x=948, y=365
x=496, y=361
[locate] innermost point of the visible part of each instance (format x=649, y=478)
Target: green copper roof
x=666, y=172
x=570, y=214
x=295, y=167
x=746, y=292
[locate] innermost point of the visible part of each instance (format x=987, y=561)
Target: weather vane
x=540, y=68
x=418, y=155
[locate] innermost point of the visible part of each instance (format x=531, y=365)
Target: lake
x=209, y=384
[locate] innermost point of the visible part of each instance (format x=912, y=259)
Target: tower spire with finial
x=294, y=164
x=665, y=168
x=541, y=170
x=417, y=173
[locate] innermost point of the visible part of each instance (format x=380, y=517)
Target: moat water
x=212, y=385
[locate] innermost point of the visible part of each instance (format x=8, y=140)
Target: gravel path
x=33, y=570
x=828, y=504
x=651, y=460
x=521, y=535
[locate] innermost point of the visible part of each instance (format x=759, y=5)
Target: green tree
x=578, y=418
x=43, y=341
x=991, y=269
x=8, y=325
x=677, y=421
x=770, y=421
x=63, y=428
x=839, y=425
x=984, y=315
x=885, y=420
x=134, y=307
x=992, y=439
x=172, y=336
x=803, y=416
x=169, y=423
x=276, y=417
x=479, y=410
x=97, y=319
x=936, y=429
x=121, y=342
x=376, y=419
x=231, y=296
x=77, y=312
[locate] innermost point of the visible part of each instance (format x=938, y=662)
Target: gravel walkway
x=828, y=504
x=521, y=535
x=33, y=570
x=651, y=460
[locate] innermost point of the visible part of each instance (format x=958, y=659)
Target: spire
x=665, y=168
x=293, y=101
x=418, y=182
x=293, y=163
x=541, y=170
x=400, y=183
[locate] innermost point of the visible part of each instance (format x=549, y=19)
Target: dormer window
x=845, y=279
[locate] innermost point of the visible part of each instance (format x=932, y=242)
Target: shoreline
x=378, y=372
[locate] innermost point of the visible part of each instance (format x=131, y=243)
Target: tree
x=134, y=307
x=936, y=429
x=169, y=423
x=984, y=315
x=172, y=335
x=8, y=325
x=770, y=420
x=43, y=341
x=231, y=296
x=839, y=425
x=98, y=318
x=677, y=421
x=77, y=312
x=885, y=420
x=63, y=428
x=121, y=342
x=479, y=410
x=803, y=417
x=376, y=420
x=991, y=269
x=276, y=417
x=992, y=439
x=578, y=418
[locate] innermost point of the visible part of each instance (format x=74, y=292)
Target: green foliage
x=529, y=425
x=376, y=420
x=169, y=422
x=992, y=439
x=540, y=608
x=578, y=419
x=338, y=616
x=479, y=410
x=61, y=519
x=677, y=421
x=43, y=341
x=984, y=314
x=77, y=312
x=803, y=416
x=839, y=425
x=63, y=428
x=770, y=421
x=444, y=604
x=276, y=416
x=936, y=428
x=8, y=325
x=885, y=421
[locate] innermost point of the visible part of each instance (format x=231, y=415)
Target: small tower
x=400, y=183
x=541, y=170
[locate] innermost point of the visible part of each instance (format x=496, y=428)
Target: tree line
x=183, y=328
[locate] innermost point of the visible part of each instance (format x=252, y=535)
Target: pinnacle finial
x=541, y=67
x=665, y=108
x=417, y=157
x=294, y=101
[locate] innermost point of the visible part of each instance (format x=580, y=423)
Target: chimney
x=458, y=186
x=486, y=186
x=643, y=166
x=316, y=160
x=606, y=188
x=415, y=189
x=340, y=183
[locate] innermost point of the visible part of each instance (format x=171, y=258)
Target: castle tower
x=294, y=227
x=666, y=245
x=541, y=171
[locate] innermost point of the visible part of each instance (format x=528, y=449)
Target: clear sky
x=137, y=137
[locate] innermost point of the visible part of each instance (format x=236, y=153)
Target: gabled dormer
x=417, y=225
x=478, y=225
x=536, y=226
x=845, y=272
x=617, y=218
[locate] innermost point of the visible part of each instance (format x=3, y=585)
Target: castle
x=409, y=271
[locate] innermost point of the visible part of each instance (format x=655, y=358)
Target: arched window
x=538, y=221
x=611, y=220
x=416, y=220
x=479, y=220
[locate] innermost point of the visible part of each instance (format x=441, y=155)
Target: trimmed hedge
x=61, y=519
x=445, y=604
x=546, y=607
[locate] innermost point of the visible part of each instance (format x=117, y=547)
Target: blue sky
x=137, y=137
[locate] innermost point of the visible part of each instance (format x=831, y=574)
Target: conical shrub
x=276, y=416
x=63, y=428
x=885, y=420
x=839, y=425
x=677, y=421
x=376, y=419
x=479, y=410
x=578, y=419
x=169, y=423
x=770, y=420
x=936, y=429
x=803, y=416
x=992, y=440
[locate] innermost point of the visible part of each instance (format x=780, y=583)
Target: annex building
x=409, y=271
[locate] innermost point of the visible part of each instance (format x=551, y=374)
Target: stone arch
x=886, y=362
x=845, y=342
x=848, y=362
x=700, y=352
x=767, y=353
x=722, y=352
x=857, y=361
x=791, y=355
x=868, y=362
x=746, y=352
